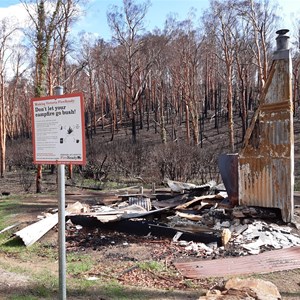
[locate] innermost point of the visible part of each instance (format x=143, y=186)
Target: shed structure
x=266, y=162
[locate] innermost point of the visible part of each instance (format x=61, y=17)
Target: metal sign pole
x=58, y=138
x=61, y=223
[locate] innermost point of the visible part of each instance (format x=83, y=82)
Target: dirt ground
x=119, y=256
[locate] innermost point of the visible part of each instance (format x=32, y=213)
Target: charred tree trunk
x=133, y=124
x=230, y=110
x=2, y=128
x=39, y=179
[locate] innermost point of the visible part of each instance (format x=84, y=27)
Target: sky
x=155, y=18
x=95, y=20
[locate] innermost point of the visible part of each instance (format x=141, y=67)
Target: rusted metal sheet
x=267, y=262
x=266, y=163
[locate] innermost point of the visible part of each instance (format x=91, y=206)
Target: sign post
x=58, y=138
x=61, y=224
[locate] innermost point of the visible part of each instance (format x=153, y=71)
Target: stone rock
x=244, y=289
x=260, y=289
x=225, y=236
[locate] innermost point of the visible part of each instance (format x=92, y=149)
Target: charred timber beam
x=144, y=228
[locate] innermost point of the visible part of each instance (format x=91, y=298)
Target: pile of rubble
x=245, y=239
x=199, y=219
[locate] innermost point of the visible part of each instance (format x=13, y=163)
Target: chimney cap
x=282, y=31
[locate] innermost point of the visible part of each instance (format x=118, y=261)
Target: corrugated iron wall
x=266, y=163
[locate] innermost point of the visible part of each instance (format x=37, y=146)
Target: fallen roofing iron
x=35, y=231
x=180, y=187
x=271, y=261
x=10, y=227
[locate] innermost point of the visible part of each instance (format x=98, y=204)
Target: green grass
x=9, y=207
x=22, y=297
x=44, y=282
x=152, y=265
x=78, y=263
x=114, y=289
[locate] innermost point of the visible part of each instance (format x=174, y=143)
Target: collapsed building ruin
x=262, y=174
x=204, y=219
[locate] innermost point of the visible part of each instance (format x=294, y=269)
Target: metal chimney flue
x=282, y=40
x=266, y=162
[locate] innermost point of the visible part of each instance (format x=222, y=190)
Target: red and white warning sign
x=58, y=129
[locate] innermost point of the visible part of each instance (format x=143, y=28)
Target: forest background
x=159, y=104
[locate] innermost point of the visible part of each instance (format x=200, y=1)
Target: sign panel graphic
x=58, y=129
